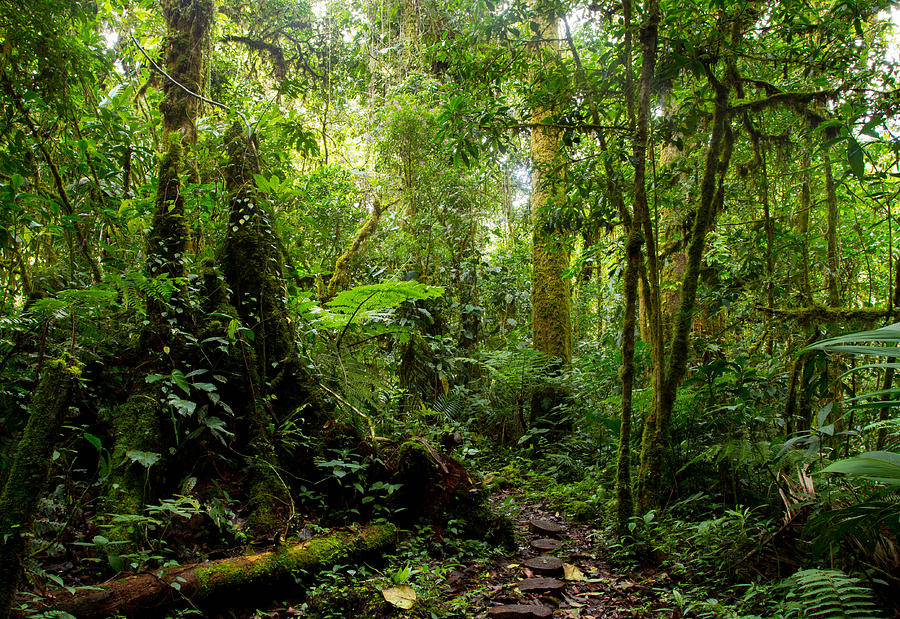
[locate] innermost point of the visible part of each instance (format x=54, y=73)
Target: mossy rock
x=583, y=511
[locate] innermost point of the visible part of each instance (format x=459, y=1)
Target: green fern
x=518, y=370
x=451, y=405
x=362, y=303
x=827, y=594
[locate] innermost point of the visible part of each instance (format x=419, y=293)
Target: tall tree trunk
x=633, y=255
x=833, y=261
x=551, y=294
x=656, y=427
x=801, y=228
x=888, y=383
x=278, y=381
x=138, y=424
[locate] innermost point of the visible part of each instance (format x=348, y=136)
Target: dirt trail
x=555, y=571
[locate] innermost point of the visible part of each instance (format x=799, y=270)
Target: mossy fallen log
x=221, y=580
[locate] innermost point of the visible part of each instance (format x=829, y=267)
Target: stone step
x=541, y=585
x=546, y=527
x=545, y=544
x=519, y=611
x=545, y=565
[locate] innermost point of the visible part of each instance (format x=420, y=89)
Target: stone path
x=555, y=572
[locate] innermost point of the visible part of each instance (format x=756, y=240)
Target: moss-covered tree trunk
x=656, y=427
x=137, y=425
x=801, y=229
x=551, y=287
x=231, y=579
x=340, y=279
x=633, y=254
x=832, y=259
x=277, y=381
x=30, y=469
x=188, y=24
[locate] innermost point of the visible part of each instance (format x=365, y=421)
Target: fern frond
x=829, y=593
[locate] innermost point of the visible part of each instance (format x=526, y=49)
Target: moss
x=341, y=277
x=224, y=581
x=251, y=264
x=30, y=469
x=624, y=497
x=551, y=294
x=188, y=23
x=656, y=428
x=267, y=567
x=267, y=492
x=166, y=246
x=583, y=511
x=136, y=426
x=817, y=314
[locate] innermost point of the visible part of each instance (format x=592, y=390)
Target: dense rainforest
x=474, y=308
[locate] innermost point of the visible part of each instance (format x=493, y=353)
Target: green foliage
x=827, y=593
x=880, y=466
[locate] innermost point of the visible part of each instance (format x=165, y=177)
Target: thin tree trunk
x=833, y=271
x=657, y=427
x=888, y=382
x=801, y=228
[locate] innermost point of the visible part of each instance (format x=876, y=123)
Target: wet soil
x=590, y=587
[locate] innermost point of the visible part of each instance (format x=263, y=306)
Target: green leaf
x=856, y=157
x=881, y=466
x=144, y=458
x=179, y=379
x=93, y=440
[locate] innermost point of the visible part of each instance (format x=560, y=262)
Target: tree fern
x=518, y=370
x=828, y=593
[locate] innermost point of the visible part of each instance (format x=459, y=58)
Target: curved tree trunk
x=23, y=488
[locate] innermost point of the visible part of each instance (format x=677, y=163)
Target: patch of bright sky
x=893, y=52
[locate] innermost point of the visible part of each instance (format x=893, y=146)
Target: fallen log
x=220, y=580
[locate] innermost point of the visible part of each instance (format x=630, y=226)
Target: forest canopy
x=296, y=292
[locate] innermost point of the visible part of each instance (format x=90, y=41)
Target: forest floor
x=516, y=586
x=581, y=585
x=453, y=577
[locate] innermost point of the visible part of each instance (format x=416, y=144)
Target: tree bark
x=216, y=581
x=833, y=262
x=340, y=279
x=23, y=488
x=551, y=295
x=656, y=427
